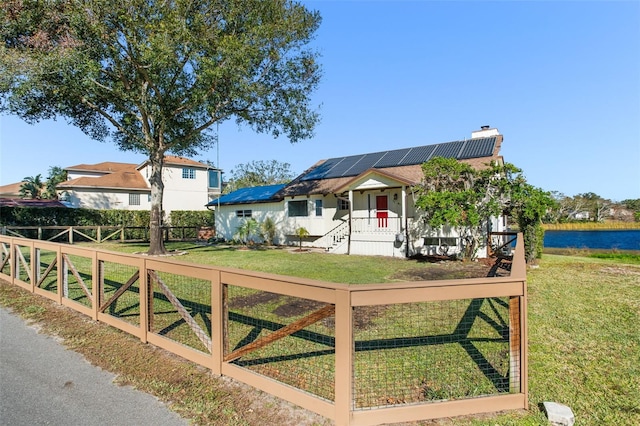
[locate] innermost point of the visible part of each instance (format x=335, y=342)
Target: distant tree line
x=591, y=207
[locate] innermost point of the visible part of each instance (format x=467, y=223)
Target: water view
x=614, y=239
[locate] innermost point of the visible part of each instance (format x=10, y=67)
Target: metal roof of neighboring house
x=17, y=202
x=256, y=194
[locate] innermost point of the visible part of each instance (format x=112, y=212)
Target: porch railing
x=357, y=354
x=373, y=225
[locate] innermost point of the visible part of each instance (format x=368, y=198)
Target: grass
x=591, y=226
x=583, y=340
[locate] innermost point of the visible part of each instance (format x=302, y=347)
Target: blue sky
x=560, y=80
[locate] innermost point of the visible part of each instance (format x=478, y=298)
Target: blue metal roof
x=256, y=194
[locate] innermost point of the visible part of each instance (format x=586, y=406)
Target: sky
x=559, y=79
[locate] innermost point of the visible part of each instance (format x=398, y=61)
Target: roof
x=172, y=160
x=354, y=165
x=253, y=195
x=120, y=175
x=11, y=190
x=105, y=167
x=127, y=179
x=17, y=202
x=404, y=165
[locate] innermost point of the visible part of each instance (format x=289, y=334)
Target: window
x=318, y=208
x=188, y=173
x=438, y=241
x=343, y=204
x=243, y=213
x=134, y=199
x=298, y=208
x=214, y=178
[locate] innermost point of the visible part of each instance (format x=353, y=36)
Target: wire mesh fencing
x=120, y=291
x=432, y=351
x=5, y=258
x=77, y=279
x=46, y=270
x=350, y=352
x=289, y=339
x=180, y=309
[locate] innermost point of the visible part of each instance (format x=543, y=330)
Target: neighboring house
x=188, y=185
x=581, y=215
x=360, y=204
x=11, y=190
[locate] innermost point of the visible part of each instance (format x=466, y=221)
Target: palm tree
x=302, y=233
x=32, y=187
x=56, y=176
x=249, y=228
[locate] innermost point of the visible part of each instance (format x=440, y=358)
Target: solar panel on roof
x=392, y=158
x=355, y=164
x=339, y=169
x=418, y=155
x=448, y=150
x=323, y=169
x=478, y=148
x=364, y=163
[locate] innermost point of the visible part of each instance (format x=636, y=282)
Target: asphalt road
x=42, y=383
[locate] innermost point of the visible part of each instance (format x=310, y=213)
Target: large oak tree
x=154, y=76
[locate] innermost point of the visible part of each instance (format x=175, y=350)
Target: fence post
x=60, y=271
x=143, y=281
x=218, y=321
x=515, y=358
x=96, y=283
x=71, y=235
x=344, y=358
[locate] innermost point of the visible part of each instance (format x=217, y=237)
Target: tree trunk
x=156, y=242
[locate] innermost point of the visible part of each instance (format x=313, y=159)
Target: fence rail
x=99, y=234
x=357, y=354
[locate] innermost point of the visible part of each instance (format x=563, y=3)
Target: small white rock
x=558, y=414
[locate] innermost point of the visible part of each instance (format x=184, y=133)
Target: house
x=11, y=191
x=360, y=204
x=188, y=185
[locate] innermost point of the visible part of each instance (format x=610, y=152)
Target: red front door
x=382, y=210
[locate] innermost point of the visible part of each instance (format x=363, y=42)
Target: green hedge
x=61, y=216
x=192, y=218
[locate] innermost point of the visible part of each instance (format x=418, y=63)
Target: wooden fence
x=356, y=354
x=99, y=234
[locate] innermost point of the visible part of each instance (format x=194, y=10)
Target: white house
x=361, y=204
x=188, y=185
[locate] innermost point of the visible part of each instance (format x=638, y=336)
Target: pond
x=606, y=239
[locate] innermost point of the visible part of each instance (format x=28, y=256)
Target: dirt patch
x=253, y=300
x=433, y=268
